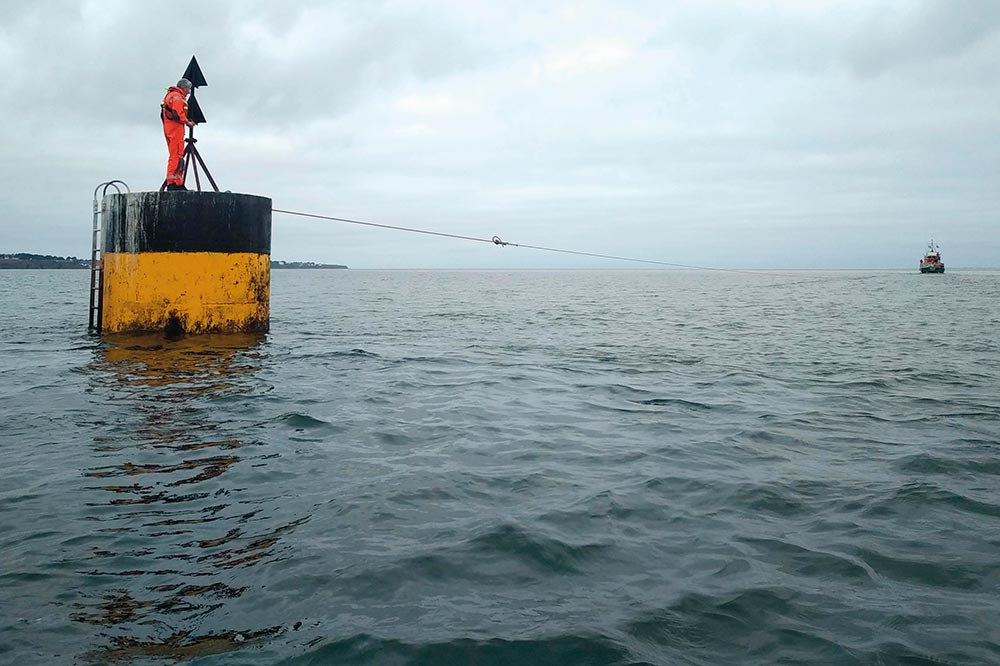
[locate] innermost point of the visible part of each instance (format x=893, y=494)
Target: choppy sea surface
x=458, y=467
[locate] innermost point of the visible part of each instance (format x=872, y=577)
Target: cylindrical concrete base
x=186, y=262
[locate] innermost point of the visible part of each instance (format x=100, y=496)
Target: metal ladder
x=97, y=254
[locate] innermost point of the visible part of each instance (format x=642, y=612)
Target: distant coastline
x=24, y=260
x=303, y=264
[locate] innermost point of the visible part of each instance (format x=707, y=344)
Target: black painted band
x=187, y=222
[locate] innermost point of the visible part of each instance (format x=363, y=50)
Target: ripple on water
x=545, y=554
x=585, y=650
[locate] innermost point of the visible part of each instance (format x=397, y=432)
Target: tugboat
x=931, y=263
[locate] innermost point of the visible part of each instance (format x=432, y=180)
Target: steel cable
x=495, y=240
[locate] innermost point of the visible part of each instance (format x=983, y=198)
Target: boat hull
x=932, y=269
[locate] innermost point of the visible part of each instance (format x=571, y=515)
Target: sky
x=729, y=134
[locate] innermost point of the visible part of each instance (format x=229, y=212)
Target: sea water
x=460, y=467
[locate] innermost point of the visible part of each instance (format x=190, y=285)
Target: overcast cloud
x=731, y=134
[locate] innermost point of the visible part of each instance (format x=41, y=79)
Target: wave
x=364, y=649
x=539, y=552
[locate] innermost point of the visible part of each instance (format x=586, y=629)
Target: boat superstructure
x=931, y=262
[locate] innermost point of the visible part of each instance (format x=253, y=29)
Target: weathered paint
x=187, y=222
x=189, y=292
x=186, y=262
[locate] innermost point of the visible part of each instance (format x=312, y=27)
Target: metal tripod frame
x=191, y=151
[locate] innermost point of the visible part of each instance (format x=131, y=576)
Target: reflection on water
x=197, y=364
x=170, y=492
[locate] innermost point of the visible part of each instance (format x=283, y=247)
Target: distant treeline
x=26, y=260
x=303, y=264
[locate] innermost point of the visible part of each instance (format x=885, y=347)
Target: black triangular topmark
x=194, y=110
x=194, y=75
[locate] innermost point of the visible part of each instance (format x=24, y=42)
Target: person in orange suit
x=173, y=112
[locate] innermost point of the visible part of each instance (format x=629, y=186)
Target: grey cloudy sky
x=732, y=134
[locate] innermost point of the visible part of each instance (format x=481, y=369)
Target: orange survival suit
x=173, y=112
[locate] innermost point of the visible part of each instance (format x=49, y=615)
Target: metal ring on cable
x=497, y=241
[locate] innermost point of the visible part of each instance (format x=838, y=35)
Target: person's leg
x=175, y=162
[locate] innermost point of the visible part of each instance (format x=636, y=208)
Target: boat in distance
x=931, y=262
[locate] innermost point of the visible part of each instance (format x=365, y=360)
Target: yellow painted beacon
x=186, y=262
